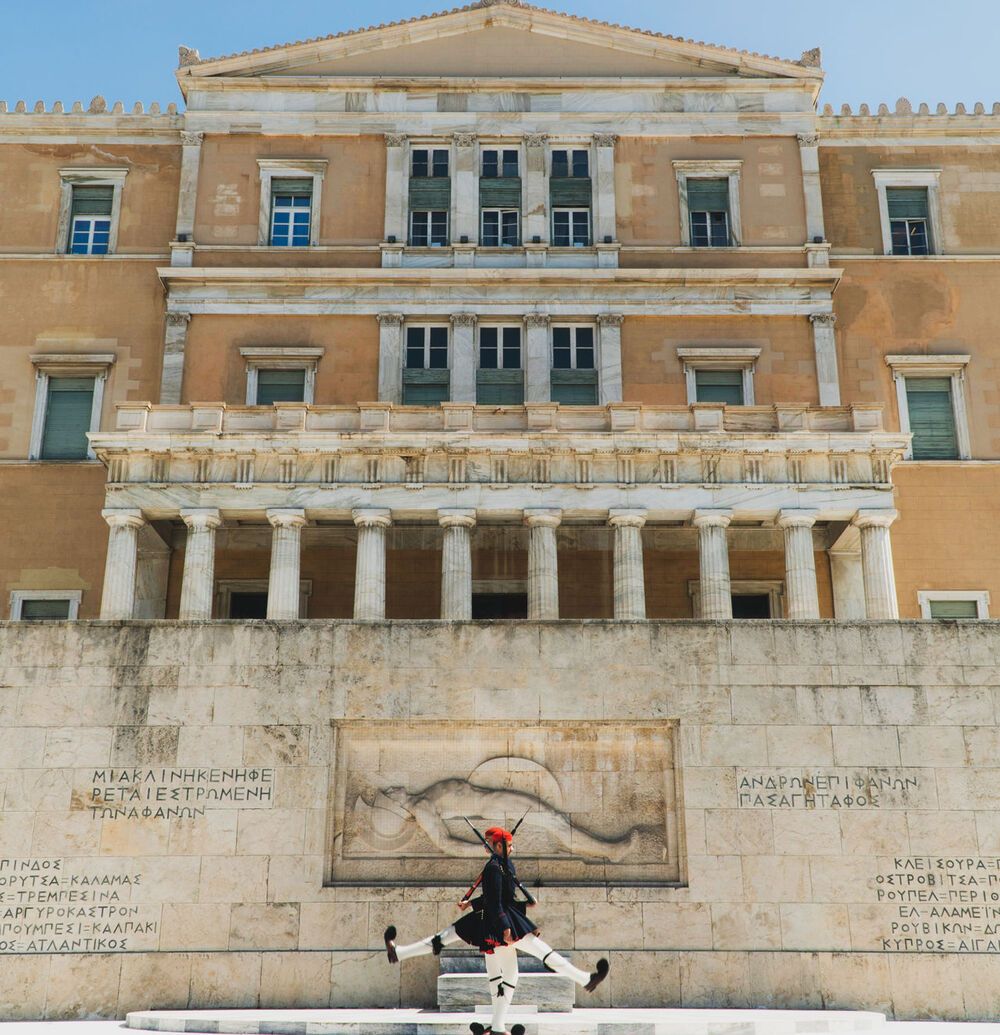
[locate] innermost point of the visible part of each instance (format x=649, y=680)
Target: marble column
x=390, y=357
x=198, y=582
x=465, y=188
x=174, y=344
x=713, y=562
x=609, y=351
x=182, y=247
x=536, y=189
x=876, y=563
x=809, y=154
x=463, y=358
x=543, y=566
x=369, y=579
x=825, y=348
x=801, y=595
x=286, y=549
x=537, y=359
x=604, y=188
x=397, y=199
x=630, y=584
x=118, y=597
x=456, y=564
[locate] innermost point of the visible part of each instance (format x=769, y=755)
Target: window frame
x=500, y=148
x=951, y=367
x=278, y=358
x=88, y=176
x=426, y=326
x=500, y=214
x=710, y=169
x=980, y=596
x=929, y=178
x=430, y=148
x=575, y=326
x=292, y=210
x=19, y=596
x=499, y=326
x=61, y=364
x=446, y=243
x=585, y=146
x=572, y=211
x=290, y=168
x=694, y=359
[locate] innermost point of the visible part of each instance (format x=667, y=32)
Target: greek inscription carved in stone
x=827, y=788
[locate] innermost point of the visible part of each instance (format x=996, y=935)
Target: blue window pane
x=281, y=217
x=78, y=249
x=103, y=224
x=283, y=199
x=300, y=240
x=300, y=202
x=99, y=249
x=279, y=240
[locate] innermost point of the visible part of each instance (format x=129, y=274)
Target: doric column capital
x=463, y=319
x=712, y=518
x=610, y=319
x=189, y=139
x=395, y=139
x=286, y=518
x=464, y=139
x=808, y=139
x=201, y=518
x=536, y=139
x=178, y=319
x=390, y=319
x=605, y=139
x=372, y=517
x=626, y=518
x=823, y=319
x=123, y=518
x=547, y=518
x=874, y=518
x=537, y=319
x=796, y=518
x=456, y=518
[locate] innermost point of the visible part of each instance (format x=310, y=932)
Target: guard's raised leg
x=434, y=944
x=534, y=946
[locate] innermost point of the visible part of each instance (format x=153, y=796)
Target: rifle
x=489, y=848
x=479, y=879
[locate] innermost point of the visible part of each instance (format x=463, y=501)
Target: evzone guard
x=498, y=926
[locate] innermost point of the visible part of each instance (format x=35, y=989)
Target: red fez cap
x=499, y=834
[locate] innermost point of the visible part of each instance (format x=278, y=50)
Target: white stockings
x=426, y=947
x=501, y=969
x=534, y=946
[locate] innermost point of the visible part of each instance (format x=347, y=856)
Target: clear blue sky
x=873, y=50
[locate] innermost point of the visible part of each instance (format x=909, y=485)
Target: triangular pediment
x=496, y=39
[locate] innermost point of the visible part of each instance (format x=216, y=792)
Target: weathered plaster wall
x=830, y=777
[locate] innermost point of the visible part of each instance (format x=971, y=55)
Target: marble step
x=576, y=1022
x=548, y=992
x=461, y=961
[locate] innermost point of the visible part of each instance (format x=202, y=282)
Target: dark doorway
x=499, y=605
x=752, y=605
x=248, y=605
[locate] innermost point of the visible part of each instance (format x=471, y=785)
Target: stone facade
x=189, y=809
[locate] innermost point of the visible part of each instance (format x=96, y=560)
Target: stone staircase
x=462, y=985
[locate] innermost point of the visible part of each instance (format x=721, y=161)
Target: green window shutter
x=280, y=386
x=907, y=202
x=574, y=387
x=44, y=610
x=92, y=201
x=500, y=387
x=725, y=386
x=292, y=185
x=705, y=195
x=932, y=418
x=500, y=193
x=430, y=193
x=570, y=191
x=954, y=609
x=426, y=387
x=67, y=418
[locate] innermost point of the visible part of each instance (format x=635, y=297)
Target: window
x=247, y=598
x=930, y=397
x=714, y=375
x=90, y=226
x=429, y=229
x=751, y=598
x=89, y=209
x=281, y=374
x=909, y=211
x=908, y=219
x=725, y=386
x=499, y=379
x=425, y=162
x=290, y=201
x=751, y=605
x=499, y=598
x=291, y=212
x=248, y=604
x=501, y=228
x=69, y=396
x=571, y=227
x=574, y=373
x=942, y=605
x=571, y=163
x=500, y=163
x=45, y=605
x=709, y=194
x=426, y=380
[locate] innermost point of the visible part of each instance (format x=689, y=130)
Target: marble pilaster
x=463, y=358
x=390, y=357
x=610, y=357
x=536, y=189
x=174, y=344
x=538, y=361
x=825, y=346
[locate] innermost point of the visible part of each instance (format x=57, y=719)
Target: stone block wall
x=752, y=813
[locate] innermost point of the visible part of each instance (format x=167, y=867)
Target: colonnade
x=197, y=590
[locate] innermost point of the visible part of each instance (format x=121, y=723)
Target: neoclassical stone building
x=501, y=314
